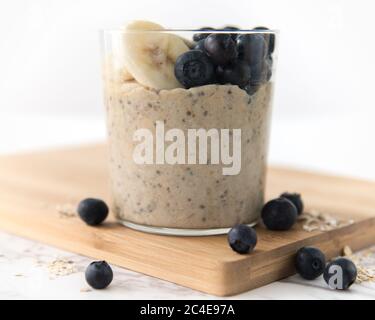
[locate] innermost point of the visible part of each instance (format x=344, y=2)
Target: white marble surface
x=23, y=263
x=24, y=274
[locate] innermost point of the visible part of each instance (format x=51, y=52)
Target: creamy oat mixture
x=187, y=196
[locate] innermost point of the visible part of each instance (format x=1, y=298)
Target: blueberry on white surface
x=310, y=262
x=340, y=274
x=93, y=211
x=99, y=274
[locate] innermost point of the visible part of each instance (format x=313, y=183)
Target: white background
x=50, y=86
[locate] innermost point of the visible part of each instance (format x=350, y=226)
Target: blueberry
x=340, y=274
x=252, y=48
x=261, y=72
x=270, y=38
x=193, y=68
x=237, y=73
x=202, y=35
x=99, y=274
x=279, y=214
x=310, y=262
x=199, y=45
x=269, y=62
x=93, y=211
x=296, y=199
x=269, y=75
x=251, y=89
x=221, y=48
x=242, y=238
x=232, y=28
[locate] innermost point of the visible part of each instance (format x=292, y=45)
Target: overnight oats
x=188, y=116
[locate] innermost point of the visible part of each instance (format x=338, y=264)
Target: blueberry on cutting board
x=310, y=262
x=93, y=211
x=340, y=274
x=279, y=214
x=296, y=199
x=242, y=238
x=99, y=274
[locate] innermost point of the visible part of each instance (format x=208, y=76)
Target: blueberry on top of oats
x=193, y=68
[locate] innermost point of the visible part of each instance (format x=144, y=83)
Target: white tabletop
x=24, y=273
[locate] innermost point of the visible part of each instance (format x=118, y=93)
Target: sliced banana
x=125, y=75
x=114, y=71
x=150, y=56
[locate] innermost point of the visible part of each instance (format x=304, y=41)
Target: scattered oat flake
x=38, y=262
x=347, y=251
x=364, y=261
x=318, y=221
x=66, y=210
x=85, y=290
x=61, y=267
x=18, y=275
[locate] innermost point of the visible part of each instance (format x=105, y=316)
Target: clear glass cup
x=186, y=161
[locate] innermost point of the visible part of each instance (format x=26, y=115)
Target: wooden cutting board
x=39, y=190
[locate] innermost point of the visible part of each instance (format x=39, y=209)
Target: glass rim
x=217, y=31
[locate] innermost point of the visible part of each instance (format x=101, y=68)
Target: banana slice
x=125, y=75
x=150, y=56
x=115, y=72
